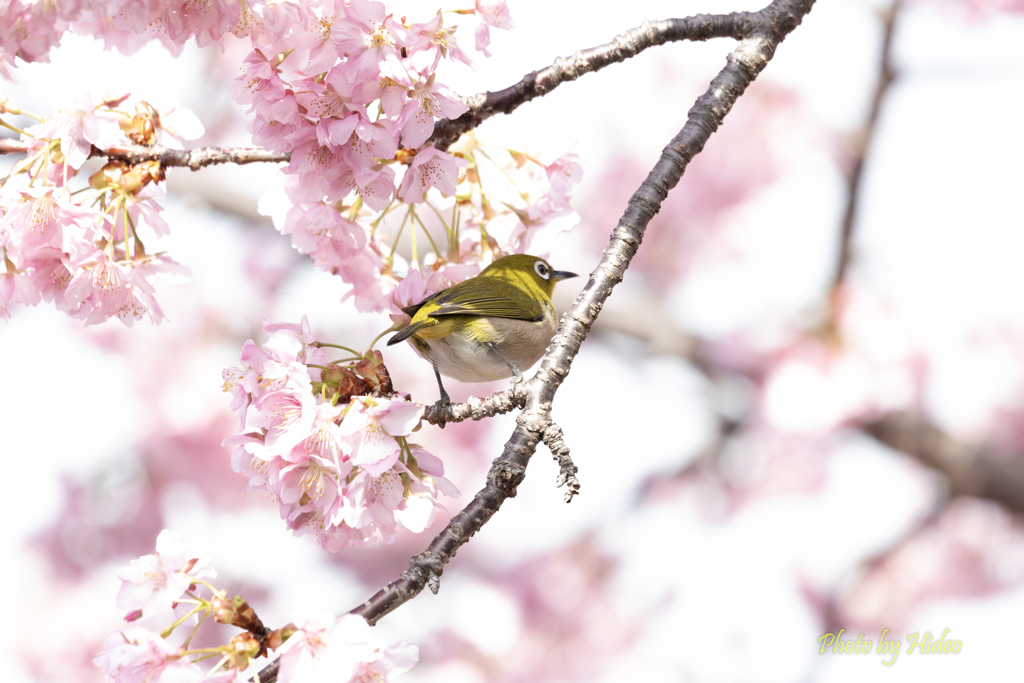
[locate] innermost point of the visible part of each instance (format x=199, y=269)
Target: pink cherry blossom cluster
x=31, y=29
x=352, y=93
x=343, y=160
x=342, y=649
x=83, y=250
x=526, y=205
x=174, y=578
x=329, y=441
x=341, y=57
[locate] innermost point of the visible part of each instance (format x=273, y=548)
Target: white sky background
x=939, y=234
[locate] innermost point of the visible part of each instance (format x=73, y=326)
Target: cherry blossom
x=328, y=648
x=494, y=13
x=154, y=582
x=430, y=168
x=370, y=427
x=135, y=655
x=338, y=464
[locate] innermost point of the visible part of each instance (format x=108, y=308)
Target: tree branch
x=478, y=408
x=766, y=29
x=763, y=32
x=971, y=471
x=886, y=75
x=12, y=146
x=737, y=25
x=192, y=158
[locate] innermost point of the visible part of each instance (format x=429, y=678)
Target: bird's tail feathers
x=405, y=333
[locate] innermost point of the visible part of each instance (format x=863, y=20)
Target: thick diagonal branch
x=767, y=29
x=970, y=471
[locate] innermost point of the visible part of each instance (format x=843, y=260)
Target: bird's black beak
x=562, y=275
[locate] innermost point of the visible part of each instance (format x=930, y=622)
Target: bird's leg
x=444, y=401
x=518, y=376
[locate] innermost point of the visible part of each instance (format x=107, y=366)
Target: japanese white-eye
x=489, y=326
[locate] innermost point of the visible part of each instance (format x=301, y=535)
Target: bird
x=489, y=326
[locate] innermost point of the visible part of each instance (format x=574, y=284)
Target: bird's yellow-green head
x=532, y=274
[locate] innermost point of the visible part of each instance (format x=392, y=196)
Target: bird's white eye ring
x=542, y=269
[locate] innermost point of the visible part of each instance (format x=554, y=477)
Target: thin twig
x=737, y=25
x=886, y=75
x=554, y=439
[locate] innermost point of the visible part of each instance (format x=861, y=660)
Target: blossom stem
x=376, y=339
x=397, y=236
x=205, y=651
x=412, y=238
x=429, y=238
x=39, y=169
x=448, y=230
x=222, y=662
x=218, y=652
x=195, y=629
x=11, y=109
x=438, y=214
x=336, y=346
x=16, y=129
x=26, y=164
x=501, y=170
x=453, y=244
x=124, y=212
x=387, y=209
x=167, y=631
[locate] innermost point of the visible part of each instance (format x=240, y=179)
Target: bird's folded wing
x=473, y=300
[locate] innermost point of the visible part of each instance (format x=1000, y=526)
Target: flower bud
x=372, y=369
x=223, y=610
x=236, y=612
x=278, y=637
x=110, y=174
x=114, y=98
x=243, y=649
x=144, y=125
x=343, y=383
x=141, y=175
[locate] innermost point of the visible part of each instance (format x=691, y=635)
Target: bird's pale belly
x=464, y=358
